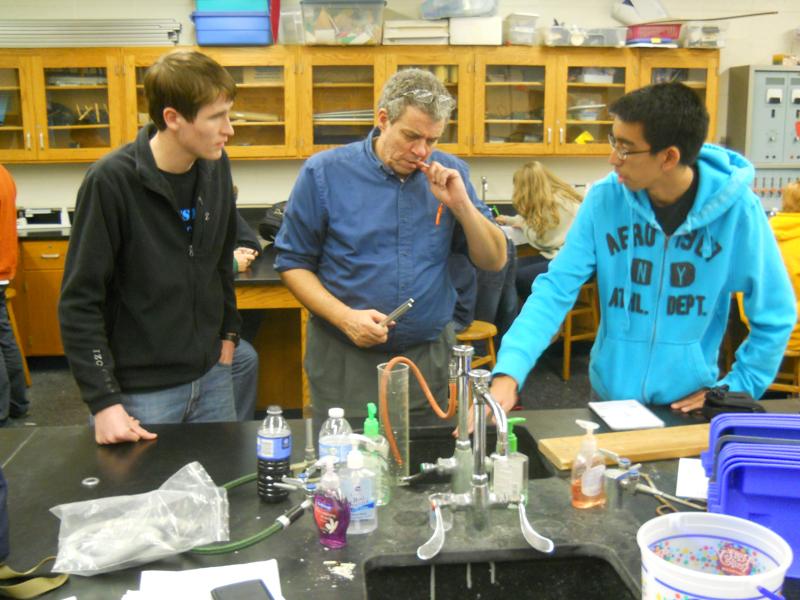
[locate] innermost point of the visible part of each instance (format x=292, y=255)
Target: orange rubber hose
x=384, y=402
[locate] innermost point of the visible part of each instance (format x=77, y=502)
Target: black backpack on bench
x=271, y=223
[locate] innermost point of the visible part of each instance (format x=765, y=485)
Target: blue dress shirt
x=372, y=238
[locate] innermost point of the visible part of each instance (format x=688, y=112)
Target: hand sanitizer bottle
x=587, y=471
x=510, y=474
x=358, y=486
x=377, y=459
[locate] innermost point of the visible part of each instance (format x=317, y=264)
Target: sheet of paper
x=198, y=583
x=621, y=415
x=514, y=234
x=692, y=480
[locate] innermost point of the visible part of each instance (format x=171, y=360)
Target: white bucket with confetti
x=710, y=556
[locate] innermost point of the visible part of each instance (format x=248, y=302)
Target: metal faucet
x=478, y=499
x=484, y=188
x=460, y=464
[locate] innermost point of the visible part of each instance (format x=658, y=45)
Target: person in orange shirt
x=786, y=227
x=13, y=397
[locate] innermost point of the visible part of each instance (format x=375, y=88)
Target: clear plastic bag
x=443, y=9
x=107, y=534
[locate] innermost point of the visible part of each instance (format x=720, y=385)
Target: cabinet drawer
x=49, y=254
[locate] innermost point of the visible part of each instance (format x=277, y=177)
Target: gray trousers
x=341, y=374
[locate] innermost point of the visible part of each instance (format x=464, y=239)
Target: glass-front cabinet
x=59, y=106
x=263, y=114
x=697, y=69
x=338, y=92
x=514, y=102
x=453, y=67
x=589, y=81
x=16, y=109
x=78, y=104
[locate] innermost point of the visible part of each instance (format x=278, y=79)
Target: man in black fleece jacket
x=147, y=310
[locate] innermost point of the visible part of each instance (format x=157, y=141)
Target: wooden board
x=640, y=446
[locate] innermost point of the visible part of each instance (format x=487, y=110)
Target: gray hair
x=420, y=89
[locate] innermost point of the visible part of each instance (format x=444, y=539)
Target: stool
x=581, y=323
x=9, y=295
x=477, y=331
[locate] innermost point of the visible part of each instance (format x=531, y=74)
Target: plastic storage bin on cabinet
x=342, y=23
x=606, y=36
x=704, y=35
x=520, y=28
x=559, y=35
x=232, y=28
x=656, y=32
x=231, y=5
x=443, y=9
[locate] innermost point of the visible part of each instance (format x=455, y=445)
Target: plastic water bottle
x=334, y=437
x=358, y=486
x=274, y=450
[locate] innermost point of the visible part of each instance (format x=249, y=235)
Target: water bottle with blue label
x=334, y=436
x=274, y=451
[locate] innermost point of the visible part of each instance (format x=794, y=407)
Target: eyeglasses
x=445, y=101
x=621, y=152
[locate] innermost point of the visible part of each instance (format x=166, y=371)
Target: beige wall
x=750, y=41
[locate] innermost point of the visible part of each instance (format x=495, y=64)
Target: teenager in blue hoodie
x=670, y=234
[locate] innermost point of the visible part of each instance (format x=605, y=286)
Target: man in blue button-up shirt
x=371, y=224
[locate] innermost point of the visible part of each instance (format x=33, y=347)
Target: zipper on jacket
x=199, y=226
x=655, y=319
x=201, y=220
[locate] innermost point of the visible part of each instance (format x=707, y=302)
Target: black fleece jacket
x=142, y=307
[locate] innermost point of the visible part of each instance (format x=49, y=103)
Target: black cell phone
x=253, y=589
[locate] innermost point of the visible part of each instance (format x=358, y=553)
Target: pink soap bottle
x=331, y=510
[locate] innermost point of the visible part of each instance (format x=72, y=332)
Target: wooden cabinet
x=455, y=69
x=16, y=104
x=41, y=271
x=588, y=81
x=698, y=69
x=339, y=88
x=514, y=101
x=298, y=100
x=60, y=106
x=264, y=115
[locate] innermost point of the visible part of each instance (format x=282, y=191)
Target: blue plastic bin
x=232, y=5
x=232, y=28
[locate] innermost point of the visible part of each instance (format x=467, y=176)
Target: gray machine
x=764, y=125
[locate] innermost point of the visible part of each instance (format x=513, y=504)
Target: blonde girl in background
x=546, y=206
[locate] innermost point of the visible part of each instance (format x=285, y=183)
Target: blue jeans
x=245, y=381
x=13, y=396
x=528, y=269
x=497, y=298
x=204, y=400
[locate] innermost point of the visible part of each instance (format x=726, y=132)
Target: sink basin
x=553, y=577
x=426, y=444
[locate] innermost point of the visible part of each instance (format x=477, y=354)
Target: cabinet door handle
x=41, y=141
x=549, y=135
x=51, y=256
x=561, y=135
x=27, y=140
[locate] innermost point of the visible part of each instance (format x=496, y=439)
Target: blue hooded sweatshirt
x=664, y=300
